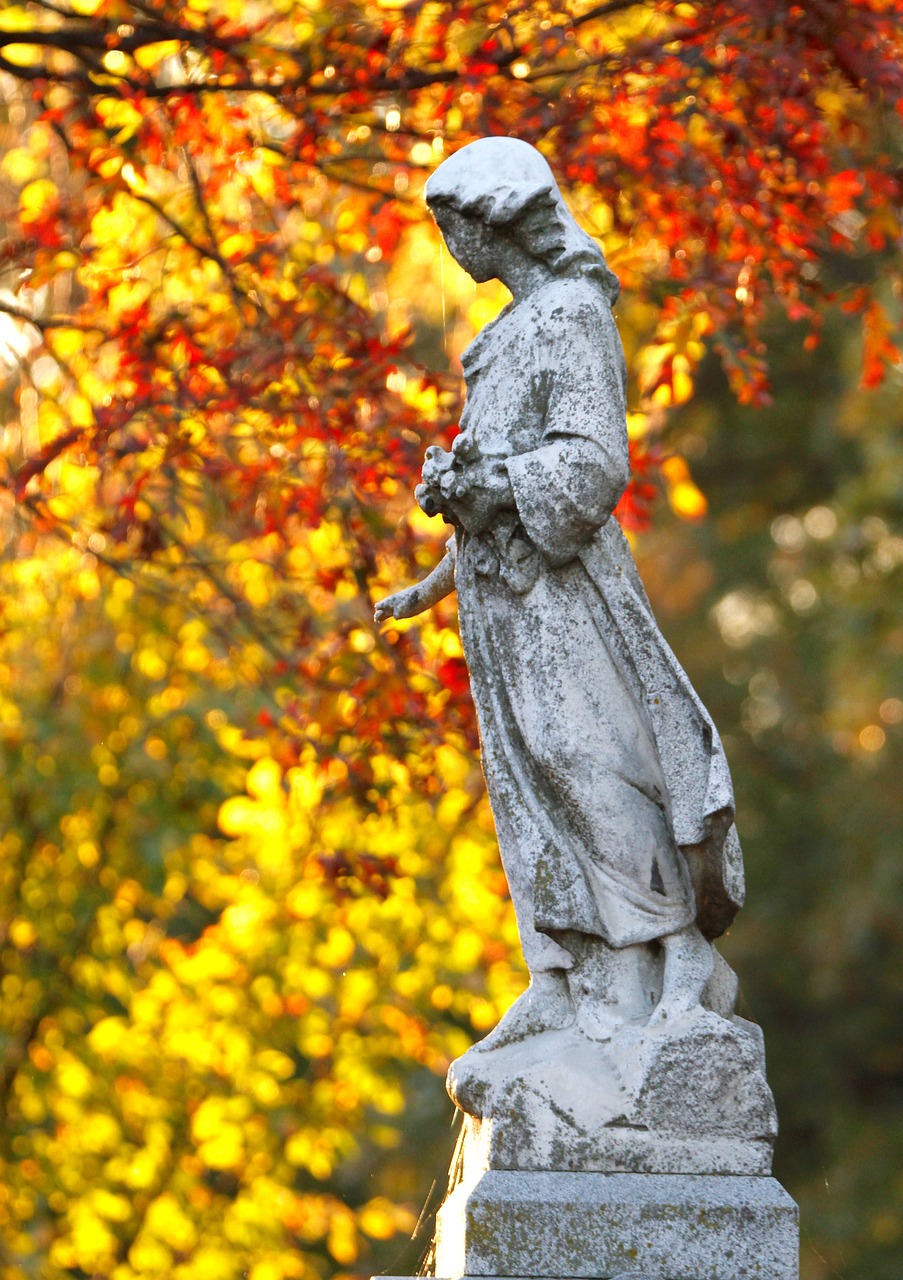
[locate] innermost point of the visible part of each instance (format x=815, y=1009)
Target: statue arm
x=567, y=488
x=422, y=595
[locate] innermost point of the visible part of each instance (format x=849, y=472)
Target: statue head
x=503, y=187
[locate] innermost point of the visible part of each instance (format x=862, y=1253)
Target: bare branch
x=41, y=73
x=604, y=10
x=104, y=37
x=46, y=323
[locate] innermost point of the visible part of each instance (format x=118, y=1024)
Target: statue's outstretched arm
x=423, y=595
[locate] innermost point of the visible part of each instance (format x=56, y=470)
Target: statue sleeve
x=567, y=488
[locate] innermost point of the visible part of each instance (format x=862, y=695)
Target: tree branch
x=212, y=253
x=46, y=323
x=604, y=10
x=105, y=37
x=234, y=286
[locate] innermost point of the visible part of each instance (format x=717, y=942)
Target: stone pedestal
x=604, y=1226
x=646, y=1157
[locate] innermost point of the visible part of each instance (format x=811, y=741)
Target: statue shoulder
x=571, y=316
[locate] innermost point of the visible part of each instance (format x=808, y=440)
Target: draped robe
x=608, y=782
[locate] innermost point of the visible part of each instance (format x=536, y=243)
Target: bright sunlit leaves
x=684, y=497
x=325, y=926
x=36, y=199
x=150, y=56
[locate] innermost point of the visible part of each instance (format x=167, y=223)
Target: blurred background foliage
x=251, y=904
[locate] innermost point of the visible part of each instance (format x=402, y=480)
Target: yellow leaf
x=237, y=815
x=22, y=934
x=22, y=55
x=20, y=165
x=17, y=18
x=150, y=1257
x=342, y=1239
x=112, y=1207
x=80, y=412
x=687, y=502
x=268, y=1270
x=377, y=1219
x=237, y=246
x=681, y=380
x=278, y=1064
x=91, y=1239
x=36, y=199
x=167, y=1220
x=265, y=782
x=226, y=1150
x=74, y=1079
x=637, y=425
x=67, y=342
x=107, y=1036
x=127, y=297
x=263, y=182
x=305, y=900
x=337, y=950
x=684, y=498
x=150, y=55
x=110, y=167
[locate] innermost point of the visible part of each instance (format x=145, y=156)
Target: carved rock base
x=690, y=1097
x=610, y=1226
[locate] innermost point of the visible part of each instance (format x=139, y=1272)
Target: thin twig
x=212, y=253
x=236, y=289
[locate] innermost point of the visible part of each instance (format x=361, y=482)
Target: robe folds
x=608, y=783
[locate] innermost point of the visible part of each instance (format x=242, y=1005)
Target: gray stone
x=692, y=1099
x=597, y=1225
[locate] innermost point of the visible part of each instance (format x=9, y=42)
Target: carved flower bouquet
x=442, y=480
x=465, y=487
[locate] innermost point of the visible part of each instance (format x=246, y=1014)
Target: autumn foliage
x=248, y=870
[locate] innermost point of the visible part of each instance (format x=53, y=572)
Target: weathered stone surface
x=691, y=1098
x=600, y=1226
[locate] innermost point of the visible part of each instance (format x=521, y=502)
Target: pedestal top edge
x=720, y=1187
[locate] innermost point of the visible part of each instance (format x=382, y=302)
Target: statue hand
x=466, y=490
x=488, y=476
x=401, y=604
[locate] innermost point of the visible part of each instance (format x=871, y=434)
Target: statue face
x=470, y=243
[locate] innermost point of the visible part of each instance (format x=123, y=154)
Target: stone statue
x=608, y=783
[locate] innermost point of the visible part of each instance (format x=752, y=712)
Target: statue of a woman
x=609, y=786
